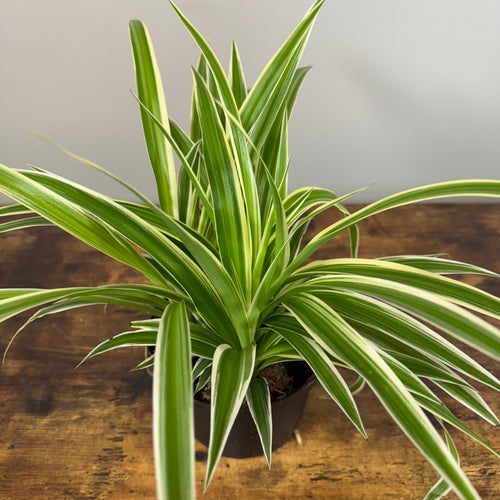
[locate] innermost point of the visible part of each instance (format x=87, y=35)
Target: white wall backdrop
x=402, y=92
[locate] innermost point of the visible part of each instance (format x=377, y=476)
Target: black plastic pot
x=243, y=440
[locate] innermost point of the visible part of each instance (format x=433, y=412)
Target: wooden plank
x=86, y=433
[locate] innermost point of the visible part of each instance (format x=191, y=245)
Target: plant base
x=243, y=440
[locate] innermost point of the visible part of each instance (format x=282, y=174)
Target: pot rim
x=306, y=386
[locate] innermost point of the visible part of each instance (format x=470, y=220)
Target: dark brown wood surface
x=85, y=433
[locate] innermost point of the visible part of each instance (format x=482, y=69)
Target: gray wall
x=401, y=93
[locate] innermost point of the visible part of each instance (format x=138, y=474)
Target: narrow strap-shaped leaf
x=427, y=368
x=237, y=77
x=205, y=334
x=232, y=371
x=452, y=290
x=198, y=333
x=190, y=171
x=262, y=125
x=211, y=265
x=180, y=138
x=150, y=92
x=473, y=187
x=276, y=227
x=204, y=376
x=258, y=96
x=194, y=122
x=296, y=238
x=439, y=265
x=282, y=161
x=422, y=362
x=440, y=411
x=471, y=399
x=74, y=303
x=311, y=213
x=229, y=210
x=173, y=428
x=172, y=260
x=428, y=400
x=7, y=293
x=186, y=193
x=270, y=152
x=17, y=301
x=14, y=209
x=337, y=337
x=442, y=488
x=93, y=165
x=298, y=202
x=168, y=225
x=74, y=220
x=266, y=176
x=398, y=324
x=140, y=297
x=467, y=396
x=329, y=377
x=269, y=284
x=242, y=157
x=212, y=61
x=259, y=403
x=200, y=366
x=147, y=363
x=24, y=223
x=456, y=321
x=280, y=251
x=125, y=339
x=283, y=356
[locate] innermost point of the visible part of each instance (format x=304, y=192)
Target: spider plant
x=232, y=283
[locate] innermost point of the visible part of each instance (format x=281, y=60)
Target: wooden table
x=86, y=433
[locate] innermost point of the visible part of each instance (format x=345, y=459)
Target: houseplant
x=229, y=281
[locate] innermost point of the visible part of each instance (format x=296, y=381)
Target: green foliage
x=224, y=255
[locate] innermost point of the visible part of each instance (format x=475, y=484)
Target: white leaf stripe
x=325, y=371
x=341, y=340
x=150, y=91
x=232, y=371
x=259, y=403
x=173, y=427
x=396, y=324
x=452, y=290
x=430, y=307
x=490, y=188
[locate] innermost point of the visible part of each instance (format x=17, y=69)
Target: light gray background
x=402, y=92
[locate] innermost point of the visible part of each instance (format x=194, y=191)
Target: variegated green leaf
x=452, y=290
x=487, y=188
x=24, y=223
x=232, y=371
x=439, y=265
x=259, y=403
x=173, y=427
x=394, y=323
x=229, y=211
x=325, y=371
x=430, y=307
x=261, y=90
x=150, y=92
x=173, y=261
x=337, y=337
x=442, y=488
x=125, y=339
x=237, y=77
x=74, y=220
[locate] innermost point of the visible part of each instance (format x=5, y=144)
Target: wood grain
x=86, y=433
